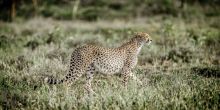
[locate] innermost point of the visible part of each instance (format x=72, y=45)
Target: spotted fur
x=89, y=58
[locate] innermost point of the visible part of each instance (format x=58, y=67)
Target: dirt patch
x=180, y=55
x=32, y=44
x=5, y=41
x=9, y=97
x=206, y=71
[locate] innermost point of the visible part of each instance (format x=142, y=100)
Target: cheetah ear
x=137, y=36
x=137, y=33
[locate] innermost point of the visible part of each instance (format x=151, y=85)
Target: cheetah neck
x=133, y=45
x=128, y=44
x=139, y=48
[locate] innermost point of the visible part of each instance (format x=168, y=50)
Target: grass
x=180, y=70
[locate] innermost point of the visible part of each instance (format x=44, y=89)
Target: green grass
x=180, y=70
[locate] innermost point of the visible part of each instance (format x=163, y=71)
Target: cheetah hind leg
x=72, y=76
x=72, y=79
x=89, y=77
x=125, y=74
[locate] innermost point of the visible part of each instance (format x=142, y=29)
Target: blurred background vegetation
x=105, y=9
x=179, y=70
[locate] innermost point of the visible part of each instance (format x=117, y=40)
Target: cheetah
x=89, y=59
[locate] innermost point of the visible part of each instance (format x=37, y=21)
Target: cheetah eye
x=147, y=40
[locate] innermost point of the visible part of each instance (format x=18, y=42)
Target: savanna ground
x=179, y=70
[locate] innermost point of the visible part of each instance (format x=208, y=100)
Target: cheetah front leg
x=133, y=76
x=125, y=73
x=130, y=63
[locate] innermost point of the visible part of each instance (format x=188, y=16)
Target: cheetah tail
x=51, y=80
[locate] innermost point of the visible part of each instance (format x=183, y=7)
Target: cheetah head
x=142, y=38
